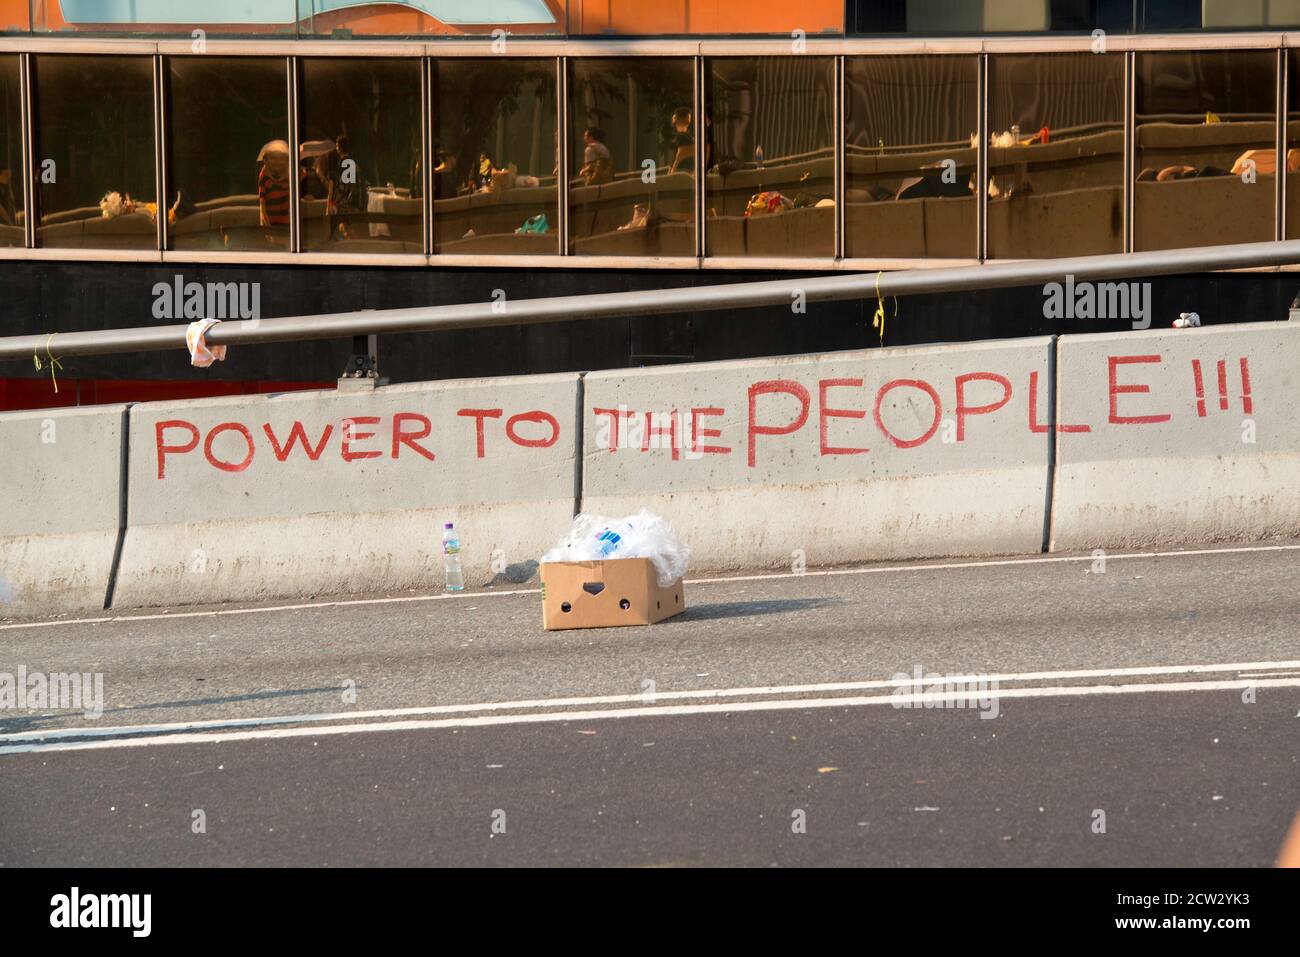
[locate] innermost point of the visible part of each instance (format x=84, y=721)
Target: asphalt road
x=1145, y=715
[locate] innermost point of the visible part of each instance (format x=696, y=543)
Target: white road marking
x=789, y=704
x=1270, y=674
x=644, y=698
x=442, y=596
x=819, y=573
x=996, y=562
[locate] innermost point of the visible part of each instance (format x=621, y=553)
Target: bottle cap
x=448, y=525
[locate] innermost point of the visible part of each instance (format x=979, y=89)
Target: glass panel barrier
x=94, y=158
x=1056, y=155
x=632, y=150
x=1293, y=147
x=12, y=219
x=359, y=175
x=770, y=153
x=909, y=158
x=229, y=173
x=15, y=16
x=1205, y=153
x=496, y=156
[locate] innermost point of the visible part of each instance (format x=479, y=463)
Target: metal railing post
x=295, y=188
x=28, y=175
x=563, y=157
x=160, y=150
x=982, y=164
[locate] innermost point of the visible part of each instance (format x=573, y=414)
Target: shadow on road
x=34, y=722
x=745, y=609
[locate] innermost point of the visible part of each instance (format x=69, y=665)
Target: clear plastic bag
x=592, y=538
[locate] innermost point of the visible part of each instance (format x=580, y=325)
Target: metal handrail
x=647, y=302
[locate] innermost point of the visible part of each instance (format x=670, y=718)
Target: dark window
x=1056, y=156
x=769, y=145
x=94, y=152
x=909, y=156
x=496, y=151
x=1206, y=130
x=11, y=154
x=359, y=175
x=1155, y=15
x=229, y=174
x=632, y=157
x=1293, y=148
x=974, y=17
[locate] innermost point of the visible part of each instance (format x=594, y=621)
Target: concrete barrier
x=891, y=453
x=1185, y=435
x=311, y=493
x=60, y=503
x=1146, y=438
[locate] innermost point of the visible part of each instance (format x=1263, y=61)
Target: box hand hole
x=593, y=588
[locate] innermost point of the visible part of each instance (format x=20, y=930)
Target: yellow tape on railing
x=878, y=320
x=50, y=360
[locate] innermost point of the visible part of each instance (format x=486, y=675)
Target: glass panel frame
x=496, y=184
x=235, y=211
x=361, y=155
x=773, y=201
x=94, y=175
x=13, y=160
x=910, y=200
x=1205, y=137
x=631, y=148
x=1056, y=155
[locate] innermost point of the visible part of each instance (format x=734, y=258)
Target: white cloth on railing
x=200, y=354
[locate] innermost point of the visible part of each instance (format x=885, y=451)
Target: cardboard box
x=621, y=591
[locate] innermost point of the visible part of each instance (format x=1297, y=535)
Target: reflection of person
x=1179, y=172
x=597, y=166
x=415, y=174
x=444, y=174
x=683, y=142
x=181, y=208
x=482, y=177
x=311, y=184
x=8, y=209
x=708, y=139
x=344, y=187
x=273, y=188
x=344, y=181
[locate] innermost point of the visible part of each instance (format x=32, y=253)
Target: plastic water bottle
x=451, y=558
x=608, y=540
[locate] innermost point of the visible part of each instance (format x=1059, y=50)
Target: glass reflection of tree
x=484, y=96
x=660, y=99
x=601, y=93
x=221, y=118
